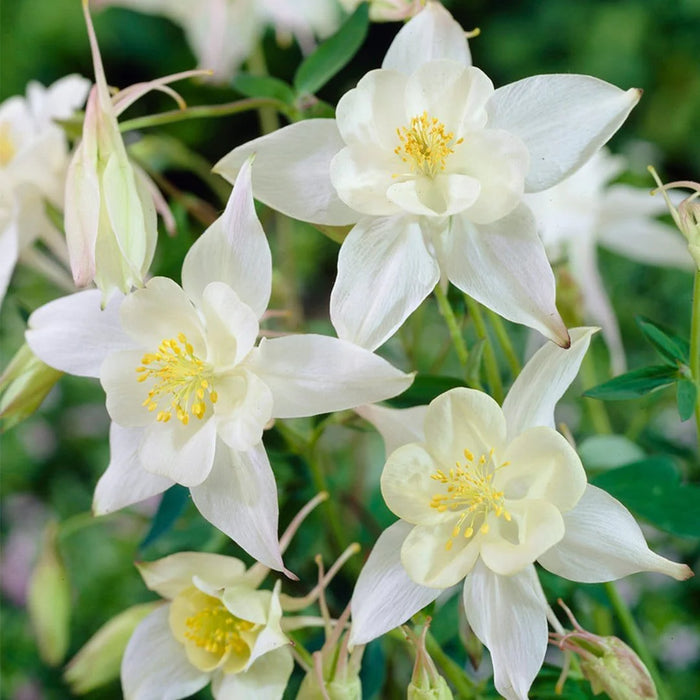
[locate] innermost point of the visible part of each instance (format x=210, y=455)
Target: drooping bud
x=426, y=683
x=48, y=600
x=99, y=661
x=389, y=10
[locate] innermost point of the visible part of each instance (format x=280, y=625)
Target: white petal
x=292, y=171
x=504, y=266
x=603, y=542
x=543, y=381
x=240, y=498
x=126, y=481
x=397, y=426
x=74, y=335
x=170, y=575
x=384, y=273
x=125, y=394
x=155, y=664
x=311, y=374
x=233, y=250
x=266, y=679
x=508, y=614
x=432, y=34
x=563, y=120
x=443, y=195
x=9, y=252
x=384, y=595
x=183, y=453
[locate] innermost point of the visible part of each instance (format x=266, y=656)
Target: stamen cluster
x=216, y=630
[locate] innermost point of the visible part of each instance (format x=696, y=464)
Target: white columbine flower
x=583, y=211
x=430, y=163
x=189, y=391
x=223, y=33
x=217, y=627
x=483, y=493
x=33, y=162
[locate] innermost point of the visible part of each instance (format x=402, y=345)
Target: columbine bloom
x=33, y=162
x=223, y=33
x=430, y=164
x=188, y=390
x=483, y=493
x=582, y=211
x=217, y=627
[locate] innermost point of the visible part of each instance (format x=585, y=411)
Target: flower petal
x=603, y=542
x=431, y=35
x=125, y=394
x=9, y=252
x=172, y=574
x=292, y=171
x=504, y=266
x=384, y=273
x=397, y=426
x=311, y=374
x=155, y=664
x=240, y=498
x=508, y=614
x=73, y=334
x=126, y=481
x=384, y=595
x=563, y=120
x=233, y=250
x=266, y=679
x=543, y=381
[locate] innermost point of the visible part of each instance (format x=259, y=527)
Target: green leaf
x=263, y=86
x=334, y=53
x=670, y=346
x=171, y=506
x=651, y=488
x=686, y=394
x=634, y=384
x=609, y=451
x=424, y=389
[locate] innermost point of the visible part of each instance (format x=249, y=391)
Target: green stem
x=202, y=111
x=493, y=373
x=269, y=121
x=636, y=639
x=504, y=340
x=465, y=686
x=695, y=347
x=452, y=325
x=596, y=408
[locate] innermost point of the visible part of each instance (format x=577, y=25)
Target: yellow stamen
x=7, y=147
x=216, y=630
x=424, y=145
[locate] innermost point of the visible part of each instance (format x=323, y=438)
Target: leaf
x=651, y=488
x=634, y=384
x=609, y=451
x=686, y=394
x=263, y=86
x=334, y=53
x=424, y=389
x=670, y=346
x=171, y=506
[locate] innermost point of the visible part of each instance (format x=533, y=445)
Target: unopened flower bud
x=99, y=661
x=389, y=10
x=426, y=683
x=48, y=600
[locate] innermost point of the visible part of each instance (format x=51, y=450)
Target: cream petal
x=234, y=250
x=384, y=595
x=311, y=374
x=603, y=542
x=562, y=119
x=292, y=171
x=9, y=252
x=125, y=394
x=432, y=34
x=539, y=526
x=126, y=481
x=443, y=195
x=504, y=266
x=266, y=679
x=155, y=664
x=385, y=271
x=543, y=381
x=542, y=465
x=397, y=426
x=508, y=614
x=463, y=419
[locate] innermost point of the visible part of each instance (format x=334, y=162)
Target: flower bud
x=389, y=10
x=98, y=662
x=426, y=683
x=336, y=689
x=48, y=600
x=25, y=382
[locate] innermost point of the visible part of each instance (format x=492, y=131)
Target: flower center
x=181, y=377
x=424, y=145
x=7, y=147
x=470, y=490
x=216, y=630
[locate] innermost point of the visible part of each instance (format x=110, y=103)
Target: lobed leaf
x=632, y=385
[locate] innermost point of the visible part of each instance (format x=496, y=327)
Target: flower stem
x=504, y=339
x=452, y=325
x=596, y=409
x=202, y=111
x=493, y=373
x=635, y=638
x=695, y=347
